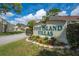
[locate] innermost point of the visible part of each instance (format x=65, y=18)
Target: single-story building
x=6, y=26
x=55, y=26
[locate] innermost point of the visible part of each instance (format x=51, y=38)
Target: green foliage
x=31, y=23
x=21, y=47
x=34, y=37
x=53, y=11
x=9, y=33
x=45, y=19
x=39, y=39
x=73, y=35
x=16, y=7
x=46, y=42
x=46, y=38
x=19, y=24
x=58, y=52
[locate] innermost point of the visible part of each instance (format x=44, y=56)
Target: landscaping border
x=46, y=46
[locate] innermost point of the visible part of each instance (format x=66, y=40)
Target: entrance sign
x=48, y=30
x=53, y=28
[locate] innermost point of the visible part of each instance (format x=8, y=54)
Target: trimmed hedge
x=73, y=35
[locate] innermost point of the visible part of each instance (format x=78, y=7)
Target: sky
x=35, y=11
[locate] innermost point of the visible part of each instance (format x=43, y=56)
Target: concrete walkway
x=11, y=38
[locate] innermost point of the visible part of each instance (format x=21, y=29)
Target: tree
x=20, y=24
x=53, y=11
x=44, y=19
x=31, y=23
x=9, y=7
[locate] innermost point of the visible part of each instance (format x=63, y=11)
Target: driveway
x=11, y=38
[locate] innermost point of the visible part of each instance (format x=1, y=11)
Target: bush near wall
x=73, y=35
x=45, y=40
x=39, y=39
x=29, y=32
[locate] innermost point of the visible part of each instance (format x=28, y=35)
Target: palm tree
x=31, y=23
x=53, y=12
x=44, y=19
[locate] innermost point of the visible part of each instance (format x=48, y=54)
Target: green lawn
x=19, y=48
x=9, y=33
x=23, y=48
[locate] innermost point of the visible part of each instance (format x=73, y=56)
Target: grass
x=23, y=48
x=9, y=33
x=19, y=48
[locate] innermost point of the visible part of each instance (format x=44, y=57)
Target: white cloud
x=3, y=17
x=9, y=14
x=13, y=22
x=24, y=19
x=62, y=13
x=20, y=20
x=28, y=17
x=75, y=12
x=40, y=13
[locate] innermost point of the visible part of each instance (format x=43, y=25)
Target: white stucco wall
x=60, y=35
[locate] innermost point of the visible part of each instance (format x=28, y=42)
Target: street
x=11, y=38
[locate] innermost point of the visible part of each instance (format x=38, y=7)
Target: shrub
x=34, y=38
x=57, y=43
x=30, y=38
x=46, y=38
x=46, y=42
x=52, y=41
x=40, y=41
x=37, y=37
x=73, y=35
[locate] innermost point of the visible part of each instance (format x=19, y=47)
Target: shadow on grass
x=57, y=52
x=48, y=53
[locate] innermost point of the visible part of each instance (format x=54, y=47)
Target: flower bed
x=45, y=40
x=39, y=39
